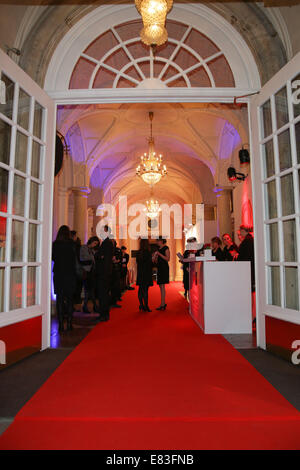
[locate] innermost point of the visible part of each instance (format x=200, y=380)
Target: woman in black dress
x=144, y=274
x=64, y=275
x=162, y=258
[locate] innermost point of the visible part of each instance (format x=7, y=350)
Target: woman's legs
x=163, y=294
x=60, y=311
x=145, y=289
x=141, y=296
x=69, y=309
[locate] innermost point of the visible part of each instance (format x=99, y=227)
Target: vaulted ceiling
x=198, y=142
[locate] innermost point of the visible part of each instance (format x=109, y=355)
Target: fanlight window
x=118, y=59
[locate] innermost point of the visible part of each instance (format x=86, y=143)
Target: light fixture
x=233, y=175
x=244, y=156
x=151, y=169
x=152, y=209
x=154, y=13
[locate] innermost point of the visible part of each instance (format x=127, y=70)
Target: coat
x=103, y=261
x=246, y=253
x=64, y=268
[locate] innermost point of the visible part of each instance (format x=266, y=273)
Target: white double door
x=27, y=154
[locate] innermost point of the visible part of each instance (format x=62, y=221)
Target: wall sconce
x=233, y=175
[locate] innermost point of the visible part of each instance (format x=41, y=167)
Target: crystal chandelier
x=154, y=14
x=151, y=169
x=152, y=209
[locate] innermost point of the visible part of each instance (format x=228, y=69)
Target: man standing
x=116, y=276
x=87, y=260
x=104, y=265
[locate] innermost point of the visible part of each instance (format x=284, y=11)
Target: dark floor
x=19, y=382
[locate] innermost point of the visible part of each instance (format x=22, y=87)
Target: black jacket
x=64, y=268
x=103, y=260
x=227, y=254
x=246, y=253
x=218, y=254
x=144, y=269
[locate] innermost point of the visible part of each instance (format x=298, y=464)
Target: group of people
x=227, y=250
x=99, y=268
x=232, y=252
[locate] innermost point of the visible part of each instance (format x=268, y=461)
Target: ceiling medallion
x=154, y=13
x=151, y=169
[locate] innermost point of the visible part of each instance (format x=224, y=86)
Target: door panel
x=275, y=124
x=27, y=130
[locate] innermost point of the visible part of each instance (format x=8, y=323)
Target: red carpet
x=154, y=381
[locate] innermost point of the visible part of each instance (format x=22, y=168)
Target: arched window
x=118, y=59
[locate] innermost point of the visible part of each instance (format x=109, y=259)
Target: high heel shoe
x=147, y=309
x=162, y=307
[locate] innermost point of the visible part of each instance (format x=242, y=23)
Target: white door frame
x=283, y=77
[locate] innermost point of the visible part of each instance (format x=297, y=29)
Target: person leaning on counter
x=230, y=250
x=216, y=249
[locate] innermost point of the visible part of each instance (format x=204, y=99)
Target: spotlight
x=234, y=175
x=244, y=156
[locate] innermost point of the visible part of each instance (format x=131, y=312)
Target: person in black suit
x=116, y=276
x=162, y=258
x=246, y=253
x=103, y=273
x=144, y=274
x=124, y=270
x=64, y=275
x=186, y=269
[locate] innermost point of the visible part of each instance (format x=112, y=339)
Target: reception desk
x=220, y=296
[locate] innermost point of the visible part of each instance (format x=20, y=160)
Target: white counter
x=220, y=296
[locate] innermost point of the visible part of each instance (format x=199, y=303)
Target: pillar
x=80, y=221
x=62, y=206
x=224, y=211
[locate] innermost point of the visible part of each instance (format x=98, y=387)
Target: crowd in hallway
x=99, y=270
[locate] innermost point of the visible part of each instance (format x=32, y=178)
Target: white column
x=62, y=206
x=224, y=211
x=80, y=221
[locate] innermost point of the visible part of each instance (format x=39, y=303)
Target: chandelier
x=152, y=209
x=154, y=13
x=151, y=169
